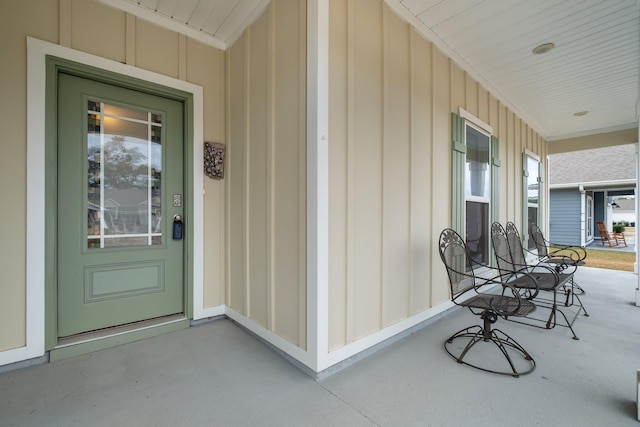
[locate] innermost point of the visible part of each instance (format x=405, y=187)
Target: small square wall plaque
x=214, y=160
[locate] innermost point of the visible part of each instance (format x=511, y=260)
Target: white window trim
x=480, y=126
x=485, y=127
x=532, y=154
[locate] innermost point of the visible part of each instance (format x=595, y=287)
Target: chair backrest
x=453, y=252
x=602, y=229
x=501, y=248
x=538, y=239
x=515, y=246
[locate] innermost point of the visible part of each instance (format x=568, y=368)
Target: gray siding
x=564, y=217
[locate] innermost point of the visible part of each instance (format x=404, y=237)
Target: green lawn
x=612, y=260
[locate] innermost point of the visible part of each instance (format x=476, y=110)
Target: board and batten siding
x=565, y=210
x=391, y=96
x=266, y=104
x=119, y=37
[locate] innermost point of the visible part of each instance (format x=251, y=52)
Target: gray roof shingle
x=605, y=164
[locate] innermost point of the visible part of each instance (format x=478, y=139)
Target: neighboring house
x=582, y=186
x=624, y=210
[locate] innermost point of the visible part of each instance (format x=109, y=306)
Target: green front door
x=120, y=186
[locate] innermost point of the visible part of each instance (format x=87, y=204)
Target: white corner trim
x=317, y=182
x=37, y=50
x=476, y=121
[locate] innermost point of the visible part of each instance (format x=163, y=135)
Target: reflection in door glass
x=124, y=165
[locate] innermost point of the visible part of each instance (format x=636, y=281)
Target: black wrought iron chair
x=512, y=263
x=563, y=257
x=466, y=292
x=563, y=271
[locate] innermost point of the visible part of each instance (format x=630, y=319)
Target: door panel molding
x=40, y=125
x=99, y=279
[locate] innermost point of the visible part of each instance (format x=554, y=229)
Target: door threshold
x=89, y=342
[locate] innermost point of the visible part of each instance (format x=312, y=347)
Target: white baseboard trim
x=17, y=355
x=343, y=353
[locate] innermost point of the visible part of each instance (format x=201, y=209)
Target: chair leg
x=572, y=295
x=551, y=321
x=552, y=316
x=504, y=343
x=577, y=289
x=581, y=305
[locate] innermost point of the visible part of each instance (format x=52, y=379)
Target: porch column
x=637, y=263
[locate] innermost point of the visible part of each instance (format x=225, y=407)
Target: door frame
x=41, y=253
x=589, y=213
x=55, y=66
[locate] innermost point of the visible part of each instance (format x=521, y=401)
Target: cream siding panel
x=156, y=49
x=338, y=121
x=236, y=160
x=289, y=179
x=421, y=159
x=205, y=67
x=98, y=30
x=64, y=14
x=504, y=168
x=396, y=171
x=258, y=181
x=483, y=104
x=511, y=167
x=441, y=170
x=130, y=39
x=182, y=56
x=458, y=87
x=517, y=173
x=267, y=187
x=471, y=93
x=19, y=19
x=492, y=119
x=365, y=193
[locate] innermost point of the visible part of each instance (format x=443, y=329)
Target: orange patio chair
x=612, y=239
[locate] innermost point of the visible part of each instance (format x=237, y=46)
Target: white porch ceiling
x=594, y=66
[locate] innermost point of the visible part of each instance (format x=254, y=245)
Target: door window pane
x=124, y=165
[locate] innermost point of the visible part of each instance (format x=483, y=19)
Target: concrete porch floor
x=216, y=374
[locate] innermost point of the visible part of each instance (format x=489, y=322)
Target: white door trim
x=589, y=210
x=37, y=50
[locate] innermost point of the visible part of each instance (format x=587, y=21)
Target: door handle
x=178, y=227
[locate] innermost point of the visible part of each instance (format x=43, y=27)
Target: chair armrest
x=576, y=253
